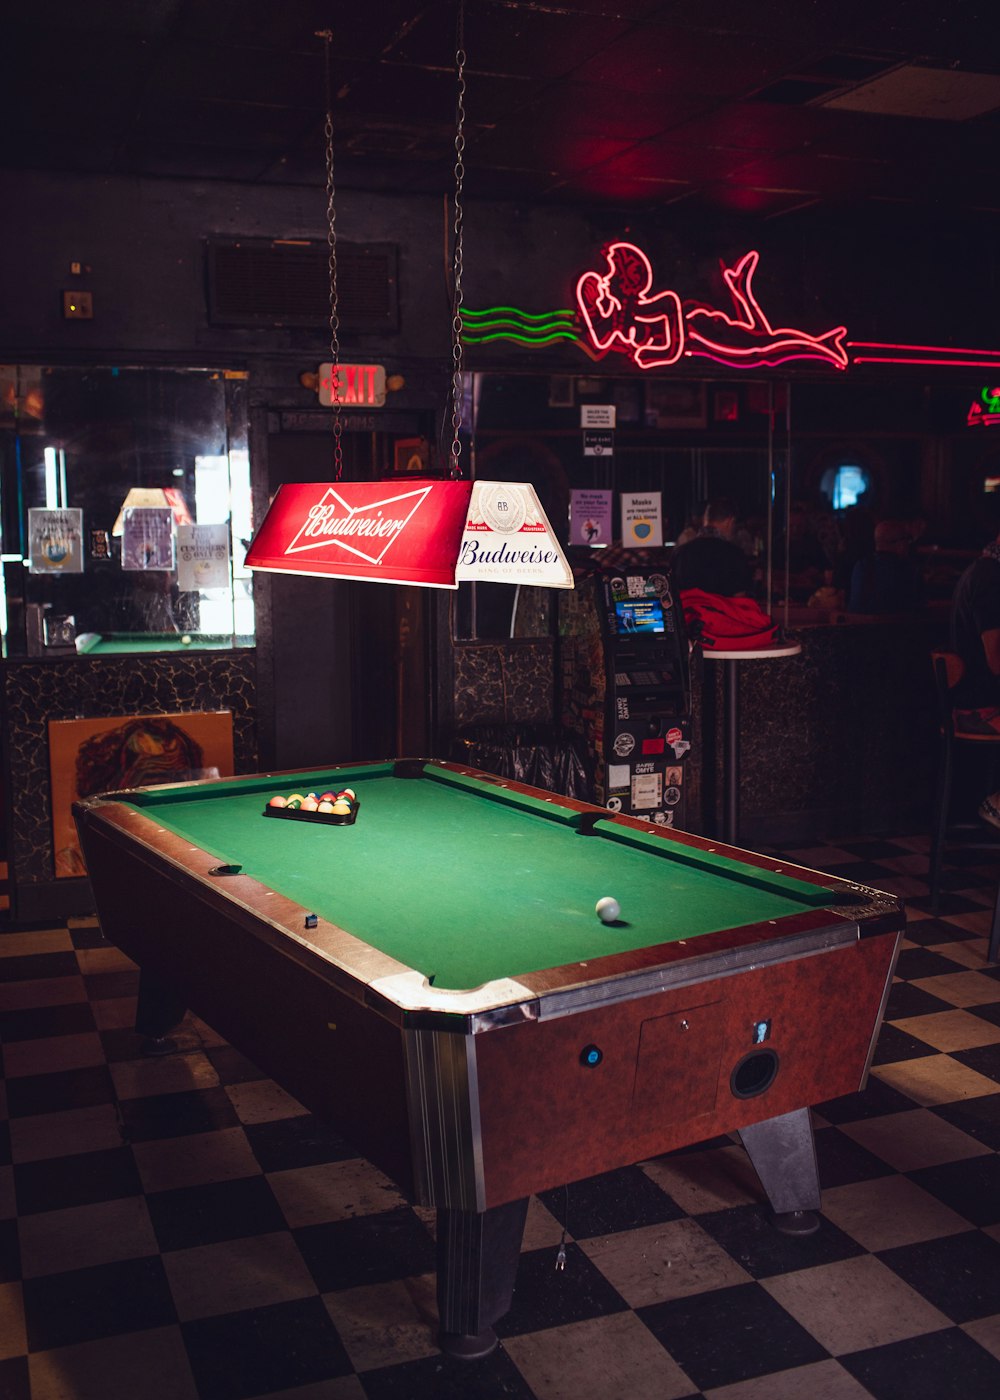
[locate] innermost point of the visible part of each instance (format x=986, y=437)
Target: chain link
x=331, y=237
x=457, y=386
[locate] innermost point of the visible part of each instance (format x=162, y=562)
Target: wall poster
x=87, y=756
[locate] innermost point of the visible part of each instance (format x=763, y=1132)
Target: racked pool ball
x=277, y=802
x=342, y=808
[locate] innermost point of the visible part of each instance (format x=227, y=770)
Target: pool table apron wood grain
x=472, y=1100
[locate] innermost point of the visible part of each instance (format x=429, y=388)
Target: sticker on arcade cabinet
x=680, y=745
x=618, y=776
x=663, y=818
x=614, y=804
x=647, y=790
x=653, y=745
x=621, y=706
x=671, y=796
x=623, y=745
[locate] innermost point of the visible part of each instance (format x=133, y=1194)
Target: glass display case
x=125, y=510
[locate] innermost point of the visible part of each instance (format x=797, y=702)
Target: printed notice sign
x=55, y=541
x=647, y=789
x=147, y=538
x=590, y=518
x=202, y=556
x=598, y=442
x=642, y=519
x=597, y=415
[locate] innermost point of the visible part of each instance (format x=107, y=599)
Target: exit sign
x=356, y=384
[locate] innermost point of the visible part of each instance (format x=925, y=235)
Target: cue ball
x=185, y=640
x=608, y=909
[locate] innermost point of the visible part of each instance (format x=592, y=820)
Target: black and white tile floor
x=180, y=1229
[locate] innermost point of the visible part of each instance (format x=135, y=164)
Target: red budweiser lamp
x=381, y=531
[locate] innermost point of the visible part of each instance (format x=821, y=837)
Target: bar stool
x=948, y=668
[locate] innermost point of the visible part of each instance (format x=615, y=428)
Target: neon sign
x=619, y=309
x=622, y=312
x=985, y=411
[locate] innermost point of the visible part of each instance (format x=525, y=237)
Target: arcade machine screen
x=639, y=617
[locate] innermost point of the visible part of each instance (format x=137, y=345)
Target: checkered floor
x=180, y=1229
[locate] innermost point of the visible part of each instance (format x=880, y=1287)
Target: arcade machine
x=625, y=684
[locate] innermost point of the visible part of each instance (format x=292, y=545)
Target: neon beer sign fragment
x=984, y=412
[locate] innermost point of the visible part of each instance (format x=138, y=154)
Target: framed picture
x=675, y=404
x=122, y=751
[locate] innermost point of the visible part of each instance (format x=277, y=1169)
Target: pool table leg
x=477, y=1256
x=159, y=1010
x=783, y=1153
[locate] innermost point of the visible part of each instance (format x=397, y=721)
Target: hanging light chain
x=331, y=237
x=457, y=387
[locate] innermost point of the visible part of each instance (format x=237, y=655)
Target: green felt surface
x=468, y=883
x=117, y=643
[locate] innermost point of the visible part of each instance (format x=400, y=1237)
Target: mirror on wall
x=125, y=509
x=679, y=444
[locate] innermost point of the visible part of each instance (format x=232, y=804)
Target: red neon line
x=767, y=362
x=896, y=360
x=758, y=353
x=942, y=349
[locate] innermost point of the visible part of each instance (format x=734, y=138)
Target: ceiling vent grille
x=278, y=282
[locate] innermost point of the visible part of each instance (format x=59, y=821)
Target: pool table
x=127, y=643
x=434, y=980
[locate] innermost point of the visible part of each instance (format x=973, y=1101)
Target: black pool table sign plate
x=475, y=1094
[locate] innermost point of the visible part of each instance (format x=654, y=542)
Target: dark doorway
x=350, y=667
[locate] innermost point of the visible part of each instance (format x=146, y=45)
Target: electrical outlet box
x=78, y=306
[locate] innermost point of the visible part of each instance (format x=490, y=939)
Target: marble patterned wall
x=504, y=682
x=36, y=691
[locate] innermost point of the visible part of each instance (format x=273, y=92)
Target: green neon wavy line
x=501, y=323
x=516, y=310
x=523, y=339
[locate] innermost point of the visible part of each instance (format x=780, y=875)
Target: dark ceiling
x=758, y=107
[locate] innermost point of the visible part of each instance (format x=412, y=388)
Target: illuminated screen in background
x=846, y=485
x=639, y=617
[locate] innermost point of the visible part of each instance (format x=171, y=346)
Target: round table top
x=753, y=653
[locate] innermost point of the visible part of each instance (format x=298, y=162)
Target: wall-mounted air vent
x=277, y=282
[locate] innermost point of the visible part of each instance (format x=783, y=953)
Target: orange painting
x=123, y=751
